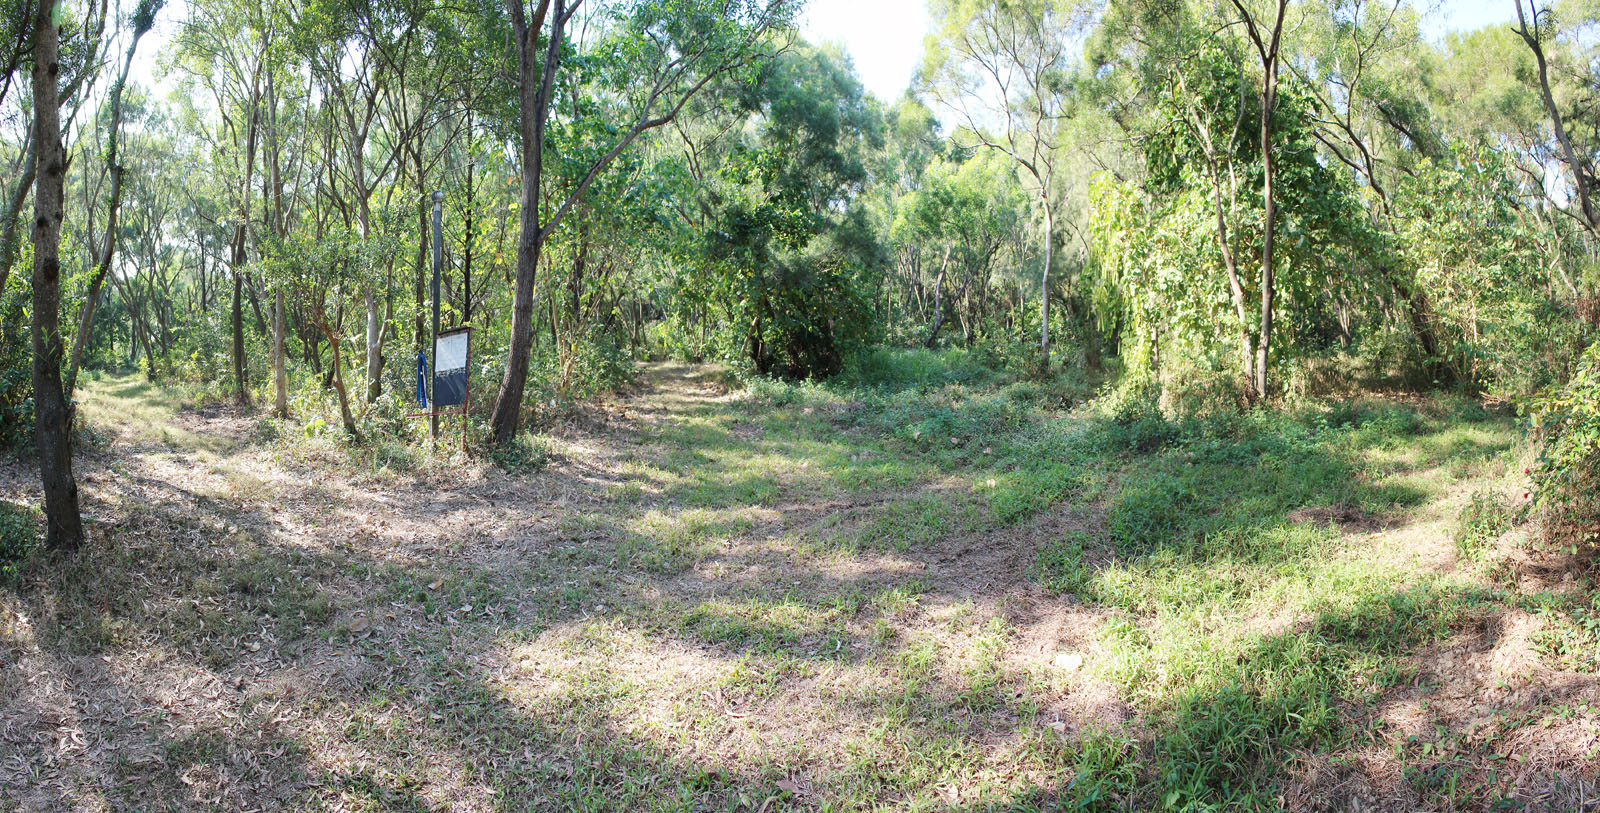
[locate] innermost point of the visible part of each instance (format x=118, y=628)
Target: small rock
x=1067, y=661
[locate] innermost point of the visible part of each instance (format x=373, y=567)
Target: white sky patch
x=1445, y=16
x=883, y=37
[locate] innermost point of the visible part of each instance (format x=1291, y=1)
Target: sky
x=884, y=37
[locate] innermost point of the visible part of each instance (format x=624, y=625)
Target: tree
x=143, y=18
x=52, y=424
x=789, y=247
x=1267, y=37
x=668, y=50
x=1004, y=69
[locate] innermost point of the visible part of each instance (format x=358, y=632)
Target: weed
x=1486, y=516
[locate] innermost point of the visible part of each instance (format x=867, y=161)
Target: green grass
x=826, y=596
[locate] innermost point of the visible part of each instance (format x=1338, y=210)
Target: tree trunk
x=466, y=248
x=63, y=524
x=938, y=301
x=1268, y=233
x=113, y=205
x=374, y=346
x=536, y=81
x=1267, y=45
x=280, y=376
x=1044, y=283
x=336, y=377
x=92, y=298
x=241, y=367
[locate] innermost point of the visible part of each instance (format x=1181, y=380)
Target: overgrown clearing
x=950, y=593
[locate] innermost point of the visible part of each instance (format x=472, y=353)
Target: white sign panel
x=450, y=353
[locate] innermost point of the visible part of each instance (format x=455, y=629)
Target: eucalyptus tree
x=143, y=18
x=1183, y=245
x=1538, y=27
x=1264, y=27
x=660, y=54
x=965, y=211
x=225, y=49
x=52, y=417
x=1005, y=70
x=790, y=247
x=79, y=55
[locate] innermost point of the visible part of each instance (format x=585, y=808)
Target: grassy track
x=945, y=594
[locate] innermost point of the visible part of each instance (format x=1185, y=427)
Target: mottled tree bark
x=63, y=524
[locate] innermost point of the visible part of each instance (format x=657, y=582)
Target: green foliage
x=1486, y=516
x=893, y=370
x=1162, y=275
x=1474, y=255
x=1062, y=567
x=16, y=371
x=1568, y=469
x=525, y=455
x=19, y=537
x=791, y=257
x=1570, y=634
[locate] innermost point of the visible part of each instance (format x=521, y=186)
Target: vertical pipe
x=438, y=262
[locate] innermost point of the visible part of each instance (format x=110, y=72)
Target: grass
x=832, y=597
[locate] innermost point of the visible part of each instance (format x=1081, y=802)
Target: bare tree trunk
x=280, y=376
x=1580, y=174
x=1267, y=48
x=63, y=524
x=466, y=248
x=1044, y=281
x=1268, y=235
x=536, y=81
x=938, y=301
x=336, y=377
x=241, y=368
x=374, y=346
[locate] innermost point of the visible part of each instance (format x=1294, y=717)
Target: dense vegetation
x=1224, y=275
x=1317, y=200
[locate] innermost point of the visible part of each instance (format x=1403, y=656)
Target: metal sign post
x=452, y=352
x=438, y=262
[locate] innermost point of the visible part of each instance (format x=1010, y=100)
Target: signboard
x=450, y=353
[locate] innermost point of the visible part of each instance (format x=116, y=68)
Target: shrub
x=19, y=536
x=1567, y=475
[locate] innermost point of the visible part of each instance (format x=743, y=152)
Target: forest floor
x=798, y=599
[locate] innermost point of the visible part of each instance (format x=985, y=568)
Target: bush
x=896, y=370
x=1567, y=475
x=19, y=536
x=16, y=372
